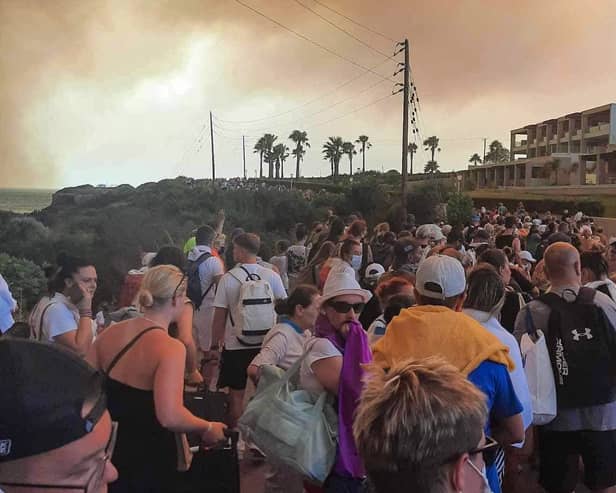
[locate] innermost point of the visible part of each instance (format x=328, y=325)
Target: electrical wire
x=311, y=41
x=354, y=21
x=361, y=41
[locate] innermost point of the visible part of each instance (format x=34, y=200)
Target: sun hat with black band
x=43, y=389
x=341, y=283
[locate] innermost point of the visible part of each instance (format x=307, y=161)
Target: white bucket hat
x=341, y=283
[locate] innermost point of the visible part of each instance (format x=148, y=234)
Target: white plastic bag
x=538, y=369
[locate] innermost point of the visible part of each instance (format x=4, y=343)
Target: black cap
x=43, y=388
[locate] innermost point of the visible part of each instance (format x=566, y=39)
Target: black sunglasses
x=344, y=307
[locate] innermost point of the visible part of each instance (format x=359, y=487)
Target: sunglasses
x=344, y=307
x=488, y=450
x=175, y=291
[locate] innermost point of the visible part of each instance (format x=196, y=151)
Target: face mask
x=356, y=262
x=482, y=473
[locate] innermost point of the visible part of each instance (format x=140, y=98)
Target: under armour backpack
x=254, y=315
x=193, y=288
x=581, y=342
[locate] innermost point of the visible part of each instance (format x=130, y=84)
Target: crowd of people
x=414, y=338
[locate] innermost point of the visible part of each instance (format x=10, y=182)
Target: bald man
x=587, y=432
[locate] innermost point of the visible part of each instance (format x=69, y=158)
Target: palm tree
x=365, y=145
x=475, y=159
x=260, y=149
x=268, y=144
x=431, y=144
x=301, y=143
x=332, y=151
x=348, y=148
x=280, y=153
x=411, y=149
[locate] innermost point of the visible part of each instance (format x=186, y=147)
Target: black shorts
x=233, y=366
x=560, y=452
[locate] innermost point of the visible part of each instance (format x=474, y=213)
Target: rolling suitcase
x=216, y=469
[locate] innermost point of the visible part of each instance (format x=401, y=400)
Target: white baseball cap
x=526, y=255
x=374, y=271
x=440, y=277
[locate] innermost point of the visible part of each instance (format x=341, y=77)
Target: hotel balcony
x=598, y=130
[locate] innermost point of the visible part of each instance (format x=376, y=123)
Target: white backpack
x=254, y=314
x=539, y=374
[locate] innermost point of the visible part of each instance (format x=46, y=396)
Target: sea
x=24, y=200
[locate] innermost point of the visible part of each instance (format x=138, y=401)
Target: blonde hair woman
x=145, y=383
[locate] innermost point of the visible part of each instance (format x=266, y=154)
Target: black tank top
x=145, y=452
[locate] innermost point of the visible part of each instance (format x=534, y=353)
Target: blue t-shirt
x=494, y=381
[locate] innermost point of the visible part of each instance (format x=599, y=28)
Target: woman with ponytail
x=283, y=346
x=144, y=367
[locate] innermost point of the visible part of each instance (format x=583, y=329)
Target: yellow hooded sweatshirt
x=426, y=330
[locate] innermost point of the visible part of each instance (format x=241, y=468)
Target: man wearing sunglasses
x=56, y=434
x=419, y=428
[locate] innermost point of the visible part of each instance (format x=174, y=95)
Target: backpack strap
x=39, y=336
x=586, y=295
x=125, y=349
x=249, y=276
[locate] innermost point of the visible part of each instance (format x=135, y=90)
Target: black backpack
x=193, y=289
x=582, y=346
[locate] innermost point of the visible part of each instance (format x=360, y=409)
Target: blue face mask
x=356, y=262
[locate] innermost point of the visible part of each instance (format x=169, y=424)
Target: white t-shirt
x=208, y=270
x=282, y=346
x=282, y=264
x=318, y=348
x=61, y=317
x=518, y=377
x=7, y=305
x=228, y=296
x=377, y=329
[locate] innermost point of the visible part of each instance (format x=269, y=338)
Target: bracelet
x=85, y=313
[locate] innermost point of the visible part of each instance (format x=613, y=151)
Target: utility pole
x=212, y=141
x=405, y=124
x=484, y=150
x=244, y=154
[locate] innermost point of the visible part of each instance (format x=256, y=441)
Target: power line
x=361, y=41
x=354, y=21
x=352, y=112
x=303, y=105
x=311, y=41
x=302, y=121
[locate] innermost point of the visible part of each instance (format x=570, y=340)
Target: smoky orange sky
x=118, y=91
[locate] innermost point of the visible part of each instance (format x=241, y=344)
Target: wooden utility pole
x=212, y=141
x=484, y=150
x=405, y=124
x=244, y=154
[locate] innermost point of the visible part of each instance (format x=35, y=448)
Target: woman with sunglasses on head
x=144, y=368
x=334, y=363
